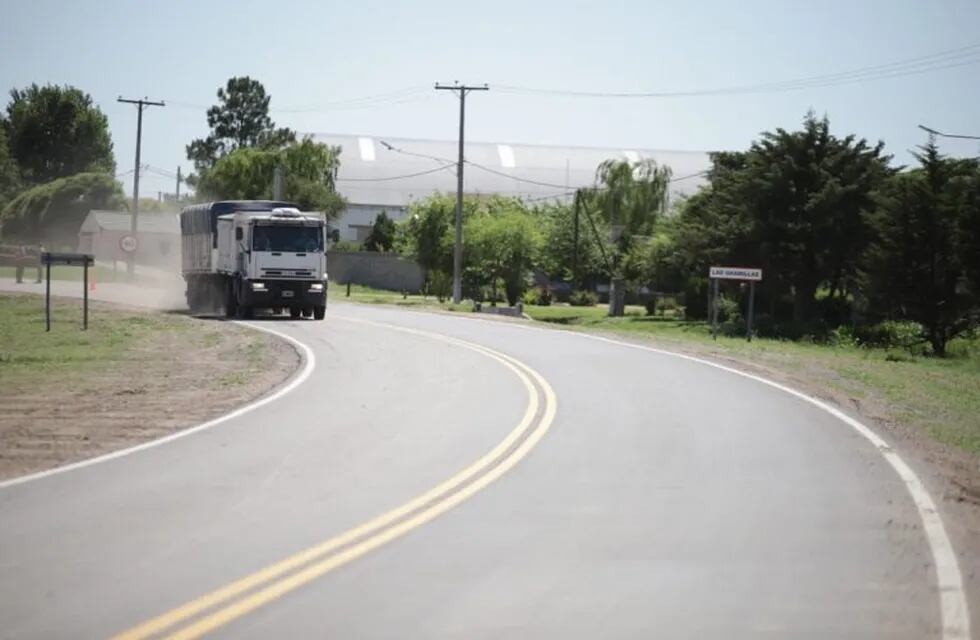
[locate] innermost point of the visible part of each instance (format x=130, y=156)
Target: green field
x=30, y=354
x=939, y=397
x=99, y=273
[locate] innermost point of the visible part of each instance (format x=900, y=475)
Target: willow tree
x=629, y=197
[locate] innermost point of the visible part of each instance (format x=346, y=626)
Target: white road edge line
x=952, y=597
x=954, y=610
x=309, y=364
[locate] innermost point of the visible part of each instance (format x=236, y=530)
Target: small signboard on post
x=749, y=274
x=83, y=260
x=129, y=243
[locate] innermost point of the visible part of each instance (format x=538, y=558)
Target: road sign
x=128, y=243
x=736, y=273
x=73, y=259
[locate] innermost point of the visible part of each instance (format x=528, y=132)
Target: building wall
x=356, y=220
x=160, y=250
x=378, y=270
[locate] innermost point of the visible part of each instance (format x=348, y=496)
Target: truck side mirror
x=238, y=233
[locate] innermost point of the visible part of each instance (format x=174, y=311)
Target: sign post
x=83, y=260
x=733, y=273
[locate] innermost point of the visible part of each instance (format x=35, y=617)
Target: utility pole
x=134, y=227
x=461, y=90
x=578, y=201
x=177, y=197
x=277, y=183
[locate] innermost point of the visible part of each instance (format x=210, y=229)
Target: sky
x=319, y=59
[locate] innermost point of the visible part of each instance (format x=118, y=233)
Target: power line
x=401, y=177
x=961, y=56
x=947, y=135
x=400, y=96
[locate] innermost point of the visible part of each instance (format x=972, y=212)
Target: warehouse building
x=389, y=174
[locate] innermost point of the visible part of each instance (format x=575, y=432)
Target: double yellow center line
x=213, y=610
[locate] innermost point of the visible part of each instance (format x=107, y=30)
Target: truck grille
x=282, y=273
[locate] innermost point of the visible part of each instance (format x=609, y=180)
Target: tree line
x=849, y=243
x=57, y=161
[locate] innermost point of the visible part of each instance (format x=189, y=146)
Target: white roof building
x=388, y=174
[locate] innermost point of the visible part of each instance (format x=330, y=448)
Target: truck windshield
x=293, y=239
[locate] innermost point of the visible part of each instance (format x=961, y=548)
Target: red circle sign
x=128, y=243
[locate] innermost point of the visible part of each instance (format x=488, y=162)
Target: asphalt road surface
x=583, y=489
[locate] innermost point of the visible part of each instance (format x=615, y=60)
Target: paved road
x=667, y=499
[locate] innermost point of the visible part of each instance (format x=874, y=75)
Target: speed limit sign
x=128, y=243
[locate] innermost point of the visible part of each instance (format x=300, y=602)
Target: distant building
x=158, y=238
x=388, y=174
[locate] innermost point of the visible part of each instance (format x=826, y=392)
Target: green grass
x=368, y=295
x=75, y=274
x=29, y=353
x=938, y=396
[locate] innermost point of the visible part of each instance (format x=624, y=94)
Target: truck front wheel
x=294, y=313
x=319, y=312
x=231, y=301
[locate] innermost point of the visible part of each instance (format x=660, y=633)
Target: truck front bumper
x=284, y=293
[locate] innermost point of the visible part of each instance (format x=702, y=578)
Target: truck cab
x=273, y=260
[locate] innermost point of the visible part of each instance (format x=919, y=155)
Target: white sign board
x=736, y=273
x=128, y=243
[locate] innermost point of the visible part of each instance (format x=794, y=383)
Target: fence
x=377, y=270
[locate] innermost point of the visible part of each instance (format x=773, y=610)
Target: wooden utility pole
x=134, y=225
x=461, y=90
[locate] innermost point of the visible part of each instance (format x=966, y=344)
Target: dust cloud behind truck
x=239, y=256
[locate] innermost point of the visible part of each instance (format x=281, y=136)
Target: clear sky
x=313, y=54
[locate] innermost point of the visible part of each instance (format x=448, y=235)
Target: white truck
x=256, y=254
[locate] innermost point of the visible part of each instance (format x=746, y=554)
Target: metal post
x=177, y=198
x=47, y=297
x=748, y=324
x=85, y=296
x=714, y=309
x=575, y=249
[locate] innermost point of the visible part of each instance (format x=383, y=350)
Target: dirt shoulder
x=134, y=376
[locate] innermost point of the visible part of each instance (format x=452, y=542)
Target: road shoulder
x=136, y=375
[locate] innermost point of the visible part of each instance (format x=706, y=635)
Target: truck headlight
x=316, y=286
x=258, y=286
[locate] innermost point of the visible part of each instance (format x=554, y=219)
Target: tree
x=53, y=132
x=629, y=197
x=501, y=247
x=795, y=204
x=240, y=120
x=382, y=236
x=923, y=263
x=9, y=173
x=427, y=234
x=54, y=211
x=557, y=257
x=247, y=174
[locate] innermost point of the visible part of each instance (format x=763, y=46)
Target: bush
x=346, y=246
x=541, y=297
x=583, y=299
x=892, y=334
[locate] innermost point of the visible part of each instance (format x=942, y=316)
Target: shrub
x=346, y=246
x=583, y=299
x=891, y=334
x=539, y=297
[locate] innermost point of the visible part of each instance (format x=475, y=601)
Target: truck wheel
x=319, y=312
x=246, y=313
x=308, y=312
x=231, y=304
x=294, y=313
